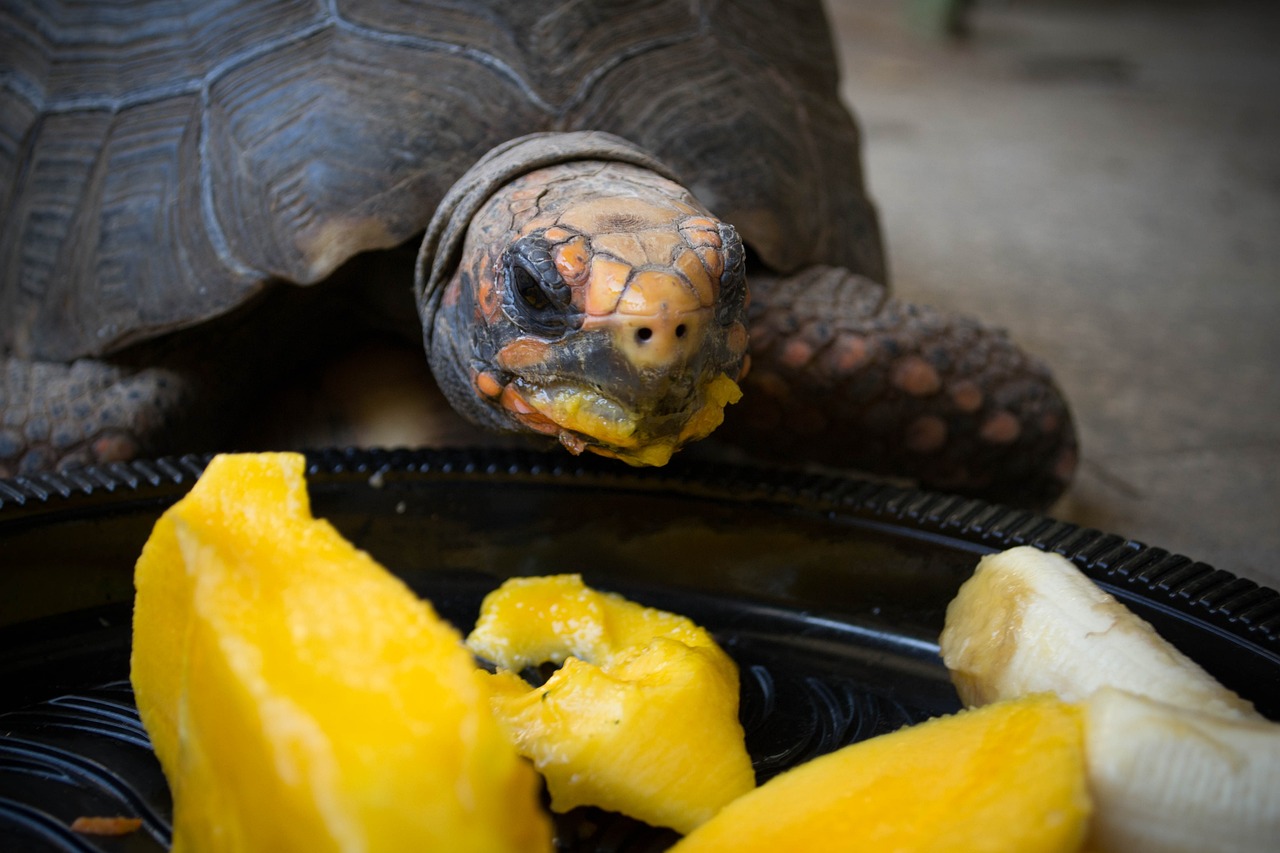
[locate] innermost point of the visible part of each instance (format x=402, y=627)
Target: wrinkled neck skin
x=597, y=303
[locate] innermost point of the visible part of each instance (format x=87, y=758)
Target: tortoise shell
x=161, y=162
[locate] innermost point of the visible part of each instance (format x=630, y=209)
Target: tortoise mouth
x=582, y=409
x=588, y=419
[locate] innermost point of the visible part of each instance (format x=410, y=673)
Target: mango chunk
x=642, y=718
x=300, y=697
x=1005, y=777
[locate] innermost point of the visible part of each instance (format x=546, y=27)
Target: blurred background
x=1102, y=179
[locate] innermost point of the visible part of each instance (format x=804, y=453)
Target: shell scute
x=160, y=163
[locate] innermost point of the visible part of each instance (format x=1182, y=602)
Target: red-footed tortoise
x=575, y=168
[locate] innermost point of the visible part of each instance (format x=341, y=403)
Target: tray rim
x=1220, y=600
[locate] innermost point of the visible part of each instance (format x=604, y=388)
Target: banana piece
x=1028, y=621
x=1166, y=779
x=1175, y=761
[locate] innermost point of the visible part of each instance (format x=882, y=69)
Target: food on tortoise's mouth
x=609, y=429
x=641, y=719
x=582, y=410
x=300, y=697
x=1176, y=761
x=1008, y=777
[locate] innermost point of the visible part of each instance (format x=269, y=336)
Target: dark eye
x=536, y=298
x=733, y=280
x=528, y=290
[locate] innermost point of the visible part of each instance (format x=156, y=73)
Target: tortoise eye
x=536, y=298
x=733, y=280
x=526, y=287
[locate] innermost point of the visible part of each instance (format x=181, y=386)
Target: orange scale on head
x=699, y=223
x=738, y=338
x=573, y=260
x=660, y=245
x=487, y=384
x=521, y=354
x=487, y=299
x=539, y=422
x=622, y=245
x=692, y=268
x=607, y=281
x=603, y=215
x=654, y=291
x=514, y=403
x=700, y=232
x=712, y=259
x=538, y=223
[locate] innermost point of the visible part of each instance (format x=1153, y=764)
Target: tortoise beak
x=637, y=386
x=590, y=420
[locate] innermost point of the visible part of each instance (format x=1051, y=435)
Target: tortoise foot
x=88, y=412
x=844, y=375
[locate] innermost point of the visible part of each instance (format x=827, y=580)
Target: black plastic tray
x=829, y=592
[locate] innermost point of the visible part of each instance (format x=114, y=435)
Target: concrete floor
x=1103, y=180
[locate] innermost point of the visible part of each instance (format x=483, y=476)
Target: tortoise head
x=599, y=303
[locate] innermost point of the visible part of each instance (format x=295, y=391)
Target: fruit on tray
x=1006, y=777
x=300, y=697
x=1176, y=761
x=1029, y=621
x=1174, y=779
x=641, y=717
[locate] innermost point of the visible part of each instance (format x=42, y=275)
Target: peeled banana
x=1168, y=779
x=1176, y=761
x=1028, y=621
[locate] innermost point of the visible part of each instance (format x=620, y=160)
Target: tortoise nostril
x=680, y=330
x=643, y=334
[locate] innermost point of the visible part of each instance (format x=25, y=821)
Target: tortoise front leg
x=844, y=375
x=88, y=412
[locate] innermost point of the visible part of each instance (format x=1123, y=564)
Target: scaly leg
x=213, y=387
x=846, y=376
x=87, y=412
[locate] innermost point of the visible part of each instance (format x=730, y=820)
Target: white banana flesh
x=1166, y=779
x=1031, y=622
x=1176, y=761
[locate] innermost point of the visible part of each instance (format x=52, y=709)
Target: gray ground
x=1103, y=179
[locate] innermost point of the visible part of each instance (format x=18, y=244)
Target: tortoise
x=605, y=222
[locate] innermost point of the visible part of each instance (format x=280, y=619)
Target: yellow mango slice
x=642, y=718
x=1005, y=778
x=300, y=697
x=722, y=391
